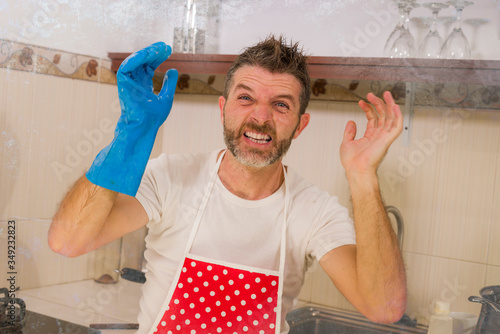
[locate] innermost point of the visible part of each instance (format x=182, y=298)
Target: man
x=232, y=232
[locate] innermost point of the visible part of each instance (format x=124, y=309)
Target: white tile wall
x=16, y=119
x=45, y=147
x=449, y=197
x=492, y=276
x=494, y=233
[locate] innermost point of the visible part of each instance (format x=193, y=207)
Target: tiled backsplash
x=446, y=182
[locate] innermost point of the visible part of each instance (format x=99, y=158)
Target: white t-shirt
x=232, y=229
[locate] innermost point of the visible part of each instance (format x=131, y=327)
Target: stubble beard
x=254, y=157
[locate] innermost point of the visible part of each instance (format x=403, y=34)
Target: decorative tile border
x=37, y=59
x=441, y=95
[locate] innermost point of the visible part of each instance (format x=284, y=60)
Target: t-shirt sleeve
x=334, y=228
x=153, y=188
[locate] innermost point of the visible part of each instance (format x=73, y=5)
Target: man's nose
x=262, y=113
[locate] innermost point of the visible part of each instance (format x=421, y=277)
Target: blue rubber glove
x=121, y=164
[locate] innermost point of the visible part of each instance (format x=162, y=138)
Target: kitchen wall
x=44, y=151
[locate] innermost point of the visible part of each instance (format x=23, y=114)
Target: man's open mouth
x=258, y=138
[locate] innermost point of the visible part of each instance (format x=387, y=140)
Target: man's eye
x=244, y=97
x=282, y=105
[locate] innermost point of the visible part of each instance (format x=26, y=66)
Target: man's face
x=261, y=115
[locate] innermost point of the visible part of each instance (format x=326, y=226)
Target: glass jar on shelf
x=190, y=28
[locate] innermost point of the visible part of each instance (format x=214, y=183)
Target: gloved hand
x=121, y=164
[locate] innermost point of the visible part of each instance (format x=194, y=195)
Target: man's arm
x=101, y=206
x=91, y=216
x=371, y=273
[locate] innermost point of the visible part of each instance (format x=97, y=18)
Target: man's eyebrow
x=243, y=86
x=286, y=96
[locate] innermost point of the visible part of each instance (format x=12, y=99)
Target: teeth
x=257, y=141
x=257, y=136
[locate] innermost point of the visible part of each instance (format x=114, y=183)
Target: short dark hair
x=276, y=56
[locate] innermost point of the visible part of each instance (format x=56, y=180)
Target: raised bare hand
x=385, y=123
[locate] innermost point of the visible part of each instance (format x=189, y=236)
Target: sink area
x=317, y=320
x=87, y=303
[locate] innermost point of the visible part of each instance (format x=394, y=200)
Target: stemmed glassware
x=456, y=45
x=401, y=43
x=398, y=29
x=432, y=43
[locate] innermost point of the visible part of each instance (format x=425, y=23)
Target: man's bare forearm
x=80, y=218
x=379, y=264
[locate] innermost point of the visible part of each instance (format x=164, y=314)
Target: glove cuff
x=121, y=165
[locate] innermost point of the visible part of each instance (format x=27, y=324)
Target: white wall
x=324, y=27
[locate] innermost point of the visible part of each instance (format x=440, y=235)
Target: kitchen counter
x=87, y=302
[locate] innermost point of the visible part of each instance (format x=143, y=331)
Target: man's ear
x=304, y=120
x=222, y=103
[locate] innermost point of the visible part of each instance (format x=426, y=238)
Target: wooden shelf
x=478, y=72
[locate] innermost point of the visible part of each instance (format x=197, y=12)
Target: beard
x=255, y=157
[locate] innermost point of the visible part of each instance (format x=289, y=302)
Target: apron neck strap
x=206, y=197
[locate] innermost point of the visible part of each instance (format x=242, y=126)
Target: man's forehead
x=248, y=76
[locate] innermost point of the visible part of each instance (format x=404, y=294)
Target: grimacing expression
x=253, y=157
x=261, y=115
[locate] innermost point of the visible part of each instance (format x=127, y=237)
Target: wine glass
x=456, y=45
x=432, y=43
x=397, y=30
x=400, y=27
x=404, y=44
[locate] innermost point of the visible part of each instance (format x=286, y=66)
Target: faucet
x=399, y=223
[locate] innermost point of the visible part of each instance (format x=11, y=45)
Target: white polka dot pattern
x=221, y=299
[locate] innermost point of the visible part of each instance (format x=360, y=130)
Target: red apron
x=212, y=296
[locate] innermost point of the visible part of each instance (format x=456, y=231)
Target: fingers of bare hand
x=394, y=111
x=385, y=118
x=370, y=113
